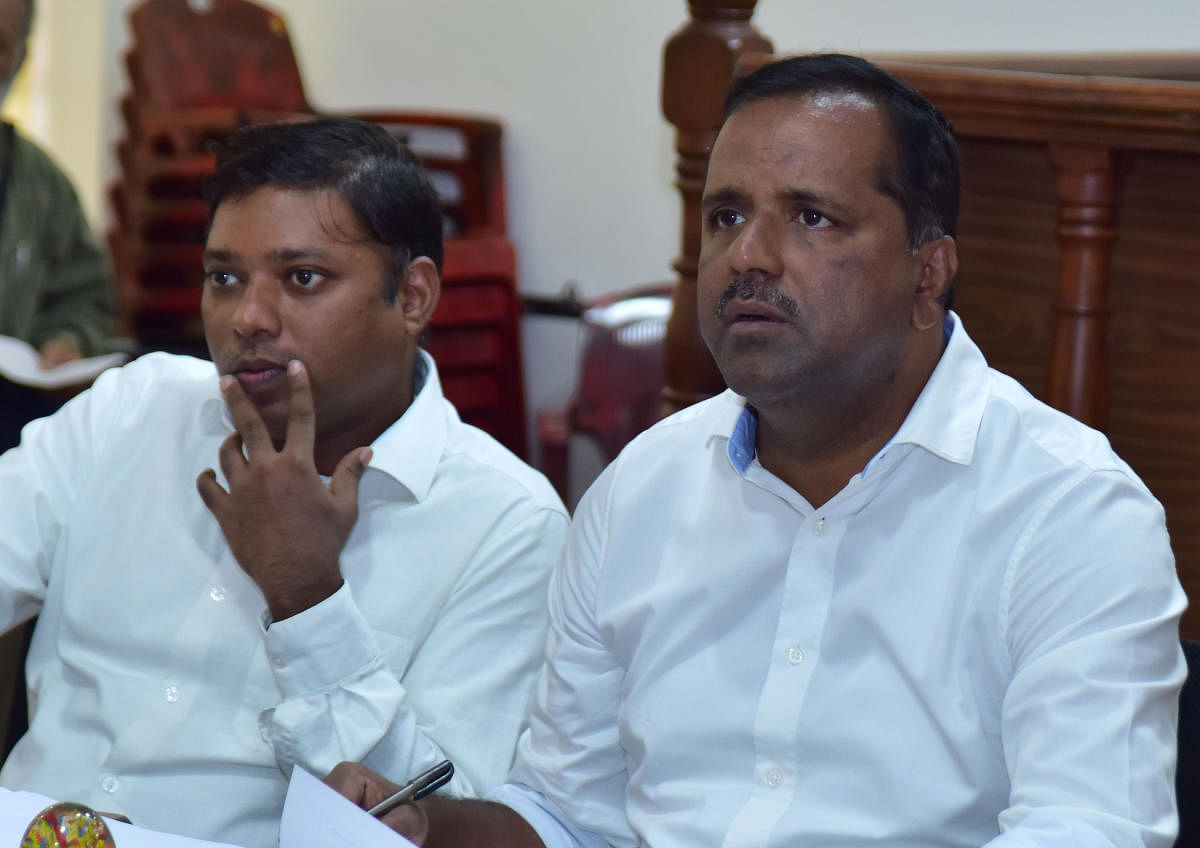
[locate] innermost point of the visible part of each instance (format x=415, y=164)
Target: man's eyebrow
x=722, y=196
x=292, y=254
x=218, y=255
x=816, y=199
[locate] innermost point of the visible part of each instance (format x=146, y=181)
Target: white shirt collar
x=946, y=416
x=944, y=420
x=408, y=451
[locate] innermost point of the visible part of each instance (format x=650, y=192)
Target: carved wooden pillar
x=698, y=63
x=1079, y=374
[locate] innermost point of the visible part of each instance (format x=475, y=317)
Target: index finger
x=245, y=417
x=359, y=783
x=301, y=430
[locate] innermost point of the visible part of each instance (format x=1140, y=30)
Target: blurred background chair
x=620, y=379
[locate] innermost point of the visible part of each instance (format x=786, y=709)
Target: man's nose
x=257, y=310
x=758, y=248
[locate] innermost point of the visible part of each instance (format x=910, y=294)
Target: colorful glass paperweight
x=67, y=825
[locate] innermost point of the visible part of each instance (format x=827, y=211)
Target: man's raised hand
x=285, y=527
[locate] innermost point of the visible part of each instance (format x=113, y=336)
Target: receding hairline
x=838, y=95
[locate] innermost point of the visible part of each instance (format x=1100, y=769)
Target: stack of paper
x=313, y=814
x=19, y=364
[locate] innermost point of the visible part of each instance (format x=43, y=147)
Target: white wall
x=589, y=159
x=588, y=156
x=1038, y=26
x=61, y=102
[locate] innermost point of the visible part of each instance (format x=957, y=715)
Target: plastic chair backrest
x=195, y=53
x=621, y=374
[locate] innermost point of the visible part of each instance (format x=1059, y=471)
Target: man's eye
x=220, y=278
x=306, y=278
x=724, y=218
x=814, y=219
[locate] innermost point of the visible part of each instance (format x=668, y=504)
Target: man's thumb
x=344, y=482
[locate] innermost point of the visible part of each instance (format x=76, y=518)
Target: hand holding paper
x=20, y=363
x=314, y=814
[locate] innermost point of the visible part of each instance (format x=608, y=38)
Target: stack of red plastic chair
x=198, y=69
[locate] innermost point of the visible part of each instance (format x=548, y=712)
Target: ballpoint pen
x=417, y=788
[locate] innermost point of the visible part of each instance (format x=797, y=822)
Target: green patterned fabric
x=53, y=278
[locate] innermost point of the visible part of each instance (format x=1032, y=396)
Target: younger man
x=361, y=576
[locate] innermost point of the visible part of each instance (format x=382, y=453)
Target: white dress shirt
x=157, y=688
x=974, y=642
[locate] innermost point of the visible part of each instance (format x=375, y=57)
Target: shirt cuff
x=554, y=828
x=325, y=644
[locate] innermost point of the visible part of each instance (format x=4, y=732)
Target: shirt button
x=217, y=593
x=109, y=784
x=278, y=661
x=774, y=778
x=172, y=693
x=795, y=655
x=819, y=527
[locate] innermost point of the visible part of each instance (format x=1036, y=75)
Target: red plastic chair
x=620, y=379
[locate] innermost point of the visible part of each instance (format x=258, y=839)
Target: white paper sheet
x=17, y=810
x=314, y=814
x=19, y=364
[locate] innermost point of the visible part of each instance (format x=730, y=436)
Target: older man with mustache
x=875, y=593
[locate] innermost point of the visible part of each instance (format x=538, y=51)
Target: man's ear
x=419, y=294
x=938, y=263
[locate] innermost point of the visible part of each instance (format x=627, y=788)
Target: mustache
x=753, y=288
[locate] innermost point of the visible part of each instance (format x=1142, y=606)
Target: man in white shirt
x=875, y=593
x=359, y=576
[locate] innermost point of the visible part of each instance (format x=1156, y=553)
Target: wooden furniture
x=1080, y=250
x=198, y=70
x=1079, y=242
x=698, y=63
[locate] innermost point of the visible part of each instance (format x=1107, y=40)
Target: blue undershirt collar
x=741, y=441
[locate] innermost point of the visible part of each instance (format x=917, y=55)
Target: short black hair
x=374, y=172
x=925, y=177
